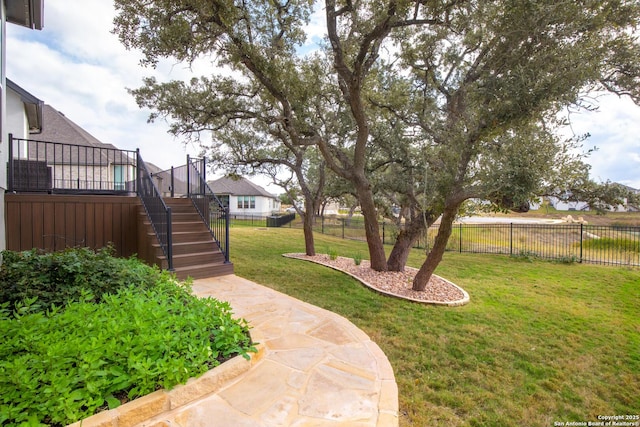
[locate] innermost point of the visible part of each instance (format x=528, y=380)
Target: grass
x=540, y=342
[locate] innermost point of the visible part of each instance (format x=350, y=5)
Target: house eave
x=26, y=13
x=32, y=105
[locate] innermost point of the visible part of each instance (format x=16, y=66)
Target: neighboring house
x=626, y=206
x=583, y=206
x=243, y=197
x=66, y=157
x=30, y=14
x=568, y=206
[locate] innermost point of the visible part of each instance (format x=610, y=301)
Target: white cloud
x=615, y=132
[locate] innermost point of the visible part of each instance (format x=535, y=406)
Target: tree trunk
x=372, y=229
x=404, y=242
x=421, y=280
x=352, y=209
x=309, y=243
x=308, y=220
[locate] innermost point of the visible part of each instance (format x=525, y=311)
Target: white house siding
x=16, y=122
x=88, y=177
x=569, y=206
x=264, y=206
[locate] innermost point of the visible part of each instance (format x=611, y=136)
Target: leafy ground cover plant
x=60, y=277
x=58, y=366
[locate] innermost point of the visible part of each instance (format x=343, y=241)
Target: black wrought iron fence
x=614, y=245
x=53, y=167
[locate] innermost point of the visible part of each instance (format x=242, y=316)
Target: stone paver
x=318, y=369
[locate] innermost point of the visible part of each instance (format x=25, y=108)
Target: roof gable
x=238, y=187
x=32, y=106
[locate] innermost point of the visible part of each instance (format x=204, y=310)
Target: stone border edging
x=158, y=402
x=466, y=299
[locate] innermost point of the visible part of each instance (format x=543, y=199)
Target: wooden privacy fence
x=53, y=222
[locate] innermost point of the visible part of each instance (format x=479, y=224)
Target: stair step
x=190, y=236
x=196, y=259
x=204, y=270
x=195, y=253
x=193, y=247
x=185, y=216
x=193, y=226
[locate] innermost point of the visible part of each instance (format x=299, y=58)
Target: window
x=118, y=175
x=246, y=202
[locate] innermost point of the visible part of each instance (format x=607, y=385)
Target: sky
x=78, y=67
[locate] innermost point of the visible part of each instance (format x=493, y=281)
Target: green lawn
x=539, y=343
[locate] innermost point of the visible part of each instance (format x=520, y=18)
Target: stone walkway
x=318, y=369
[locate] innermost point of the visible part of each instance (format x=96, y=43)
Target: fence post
x=460, y=232
x=10, y=173
x=227, y=221
x=138, y=177
x=322, y=224
x=511, y=238
x=188, y=180
x=581, y=234
x=341, y=219
x=172, y=184
x=383, y=231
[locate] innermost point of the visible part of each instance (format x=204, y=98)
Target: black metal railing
x=157, y=210
x=210, y=208
x=172, y=182
x=54, y=167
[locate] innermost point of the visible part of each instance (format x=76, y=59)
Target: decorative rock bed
x=392, y=283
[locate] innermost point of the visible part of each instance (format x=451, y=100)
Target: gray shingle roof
x=238, y=187
x=87, y=148
x=59, y=128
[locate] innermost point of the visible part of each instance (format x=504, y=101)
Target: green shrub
x=333, y=254
x=357, y=258
x=60, y=277
x=567, y=259
x=61, y=364
x=525, y=256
